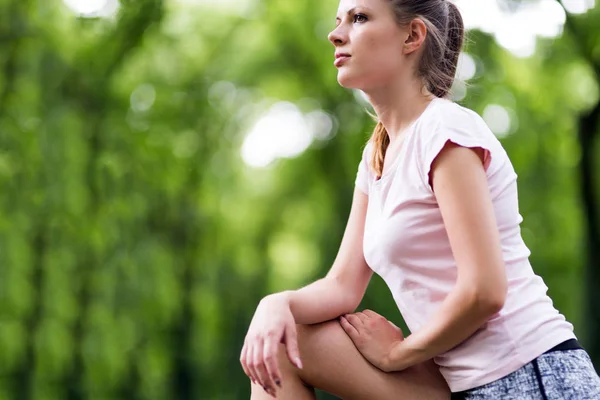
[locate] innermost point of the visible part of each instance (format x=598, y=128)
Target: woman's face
x=368, y=33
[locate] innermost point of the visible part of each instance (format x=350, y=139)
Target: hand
x=373, y=335
x=273, y=323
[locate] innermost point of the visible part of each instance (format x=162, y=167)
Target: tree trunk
x=588, y=129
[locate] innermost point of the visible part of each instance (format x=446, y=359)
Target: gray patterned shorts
x=567, y=375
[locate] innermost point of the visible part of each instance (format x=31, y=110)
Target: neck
x=398, y=105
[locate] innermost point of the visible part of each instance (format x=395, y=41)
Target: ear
x=417, y=33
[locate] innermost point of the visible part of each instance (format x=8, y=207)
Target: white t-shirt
x=406, y=243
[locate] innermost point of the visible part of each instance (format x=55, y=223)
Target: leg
x=332, y=363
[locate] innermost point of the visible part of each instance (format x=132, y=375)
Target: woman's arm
x=464, y=200
x=338, y=293
x=341, y=291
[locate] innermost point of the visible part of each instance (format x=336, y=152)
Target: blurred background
x=165, y=164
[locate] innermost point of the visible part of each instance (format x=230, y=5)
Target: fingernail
x=298, y=363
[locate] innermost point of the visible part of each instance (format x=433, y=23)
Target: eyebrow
x=350, y=11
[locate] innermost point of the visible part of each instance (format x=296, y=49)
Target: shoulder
x=452, y=126
x=364, y=174
x=367, y=150
x=367, y=154
x=449, y=121
x=448, y=117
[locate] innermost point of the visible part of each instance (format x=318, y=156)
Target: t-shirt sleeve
x=466, y=132
x=363, y=174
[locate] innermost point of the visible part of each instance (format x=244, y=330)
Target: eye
x=360, y=18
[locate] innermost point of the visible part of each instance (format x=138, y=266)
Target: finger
x=270, y=351
x=257, y=360
x=250, y=362
x=354, y=320
x=243, y=361
x=392, y=324
x=291, y=345
x=348, y=328
x=362, y=317
x=397, y=329
x=259, y=367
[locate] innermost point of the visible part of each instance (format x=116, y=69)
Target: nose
x=337, y=37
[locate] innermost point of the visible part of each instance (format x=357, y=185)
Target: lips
x=340, y=58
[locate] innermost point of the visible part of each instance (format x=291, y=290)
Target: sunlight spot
x=498, y=119
x=143, y=97
x=578, y=6
x=516, y=28
x=283, y=132
x=458, y=91
x=243, y=8
x=93, y=8
x=466, y=67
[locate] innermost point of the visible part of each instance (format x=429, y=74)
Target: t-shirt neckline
x=411, y=128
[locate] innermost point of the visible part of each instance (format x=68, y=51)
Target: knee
x=312, y=341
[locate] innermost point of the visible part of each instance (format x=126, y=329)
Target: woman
x=435, y=213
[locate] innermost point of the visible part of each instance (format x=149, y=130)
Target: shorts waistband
x=571, y=344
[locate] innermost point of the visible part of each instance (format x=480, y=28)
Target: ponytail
x=381, y=141
x=455, y=34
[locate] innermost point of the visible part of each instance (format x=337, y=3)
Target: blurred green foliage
x=135, y=243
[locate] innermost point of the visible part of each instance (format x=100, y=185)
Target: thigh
x=569, y=375
x=333, y=364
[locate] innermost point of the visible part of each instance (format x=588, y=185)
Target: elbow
x=350, y=299
x=494, y=303
x=487, y=299
x=352, y=302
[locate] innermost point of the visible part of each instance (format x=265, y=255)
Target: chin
x=349, y=81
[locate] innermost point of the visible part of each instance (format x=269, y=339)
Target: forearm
x=459, y=316
x=320, y=301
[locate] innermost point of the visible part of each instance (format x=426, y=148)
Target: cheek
x=382, y=53
x=377, y=59
x=383, y=64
